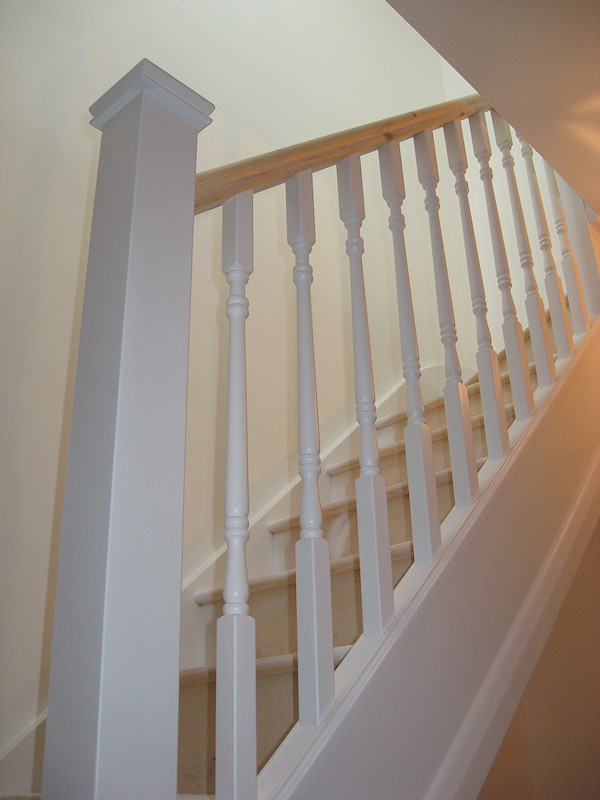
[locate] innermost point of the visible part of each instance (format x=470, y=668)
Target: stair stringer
x=421, y=712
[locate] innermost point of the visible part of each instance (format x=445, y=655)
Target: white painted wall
x=279, y=73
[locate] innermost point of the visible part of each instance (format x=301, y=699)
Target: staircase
x=272, y=600
x=476, y=506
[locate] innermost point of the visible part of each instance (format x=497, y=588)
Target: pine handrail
x=215, y=186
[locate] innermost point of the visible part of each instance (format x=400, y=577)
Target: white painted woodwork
x=536, y=317
x=570, y=268
x=313, y=581
x=514, y=341
x=235, y=745
x=112, y=710
x=456, y=402
x=235, y=776
x=561, y=327
x=583, y=249
x=494, y=417
x=371, y=499
x=316, y=690
x=424, y=513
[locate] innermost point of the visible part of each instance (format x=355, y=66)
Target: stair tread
x=349, y=504
x=267, y=665
x=398, y=447
x=473, y=387
x=347, y=563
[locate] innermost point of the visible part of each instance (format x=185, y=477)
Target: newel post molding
x=113, y=695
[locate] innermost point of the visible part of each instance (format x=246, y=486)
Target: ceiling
x=537, y=62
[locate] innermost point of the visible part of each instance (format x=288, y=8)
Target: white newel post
x=494, y=417
x=536, y=317
x=313, y=575
x=235, y=768
x=113, y=696
x=569, y=265
x=579, y=232
x=514, y=341
x=561, y=327
x=371, y=496
x=422, y=487
x=456, y=399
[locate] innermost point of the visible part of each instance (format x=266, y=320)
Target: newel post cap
x=147, y=77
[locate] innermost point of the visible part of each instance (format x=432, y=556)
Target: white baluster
x=313, y=580
x=569, y=265
x=236, y=650
x=538, y=325
x=514, y=342
x=494, y=418
x=456, y=400
x=371, y=497
x=114, y=681
x=579, y=233
x=424, y=511
x=561, y=326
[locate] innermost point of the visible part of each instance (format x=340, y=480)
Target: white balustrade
x=424, y=512
x=235, y=777
x=114, y=681
x=561, y=326
x=570, y=268
x=371, y=497
x=313, y=579
x=494, y=416
x=538, y=325
x=514, y=341
x=456, y=401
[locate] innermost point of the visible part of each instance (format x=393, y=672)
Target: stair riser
x=393, y=432
x=274, y=610
x=341, y=530
x=436, y=418
x=393, y=466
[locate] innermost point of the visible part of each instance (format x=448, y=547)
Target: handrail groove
x=215, y=186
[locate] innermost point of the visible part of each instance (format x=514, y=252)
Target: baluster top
x=350, y=184
x=480, y=136
x=392, y=174
x=501, y=131
x=427, y=166
x=237, y=250
x=300, y=208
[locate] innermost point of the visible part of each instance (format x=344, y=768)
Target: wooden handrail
x=215, y=186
